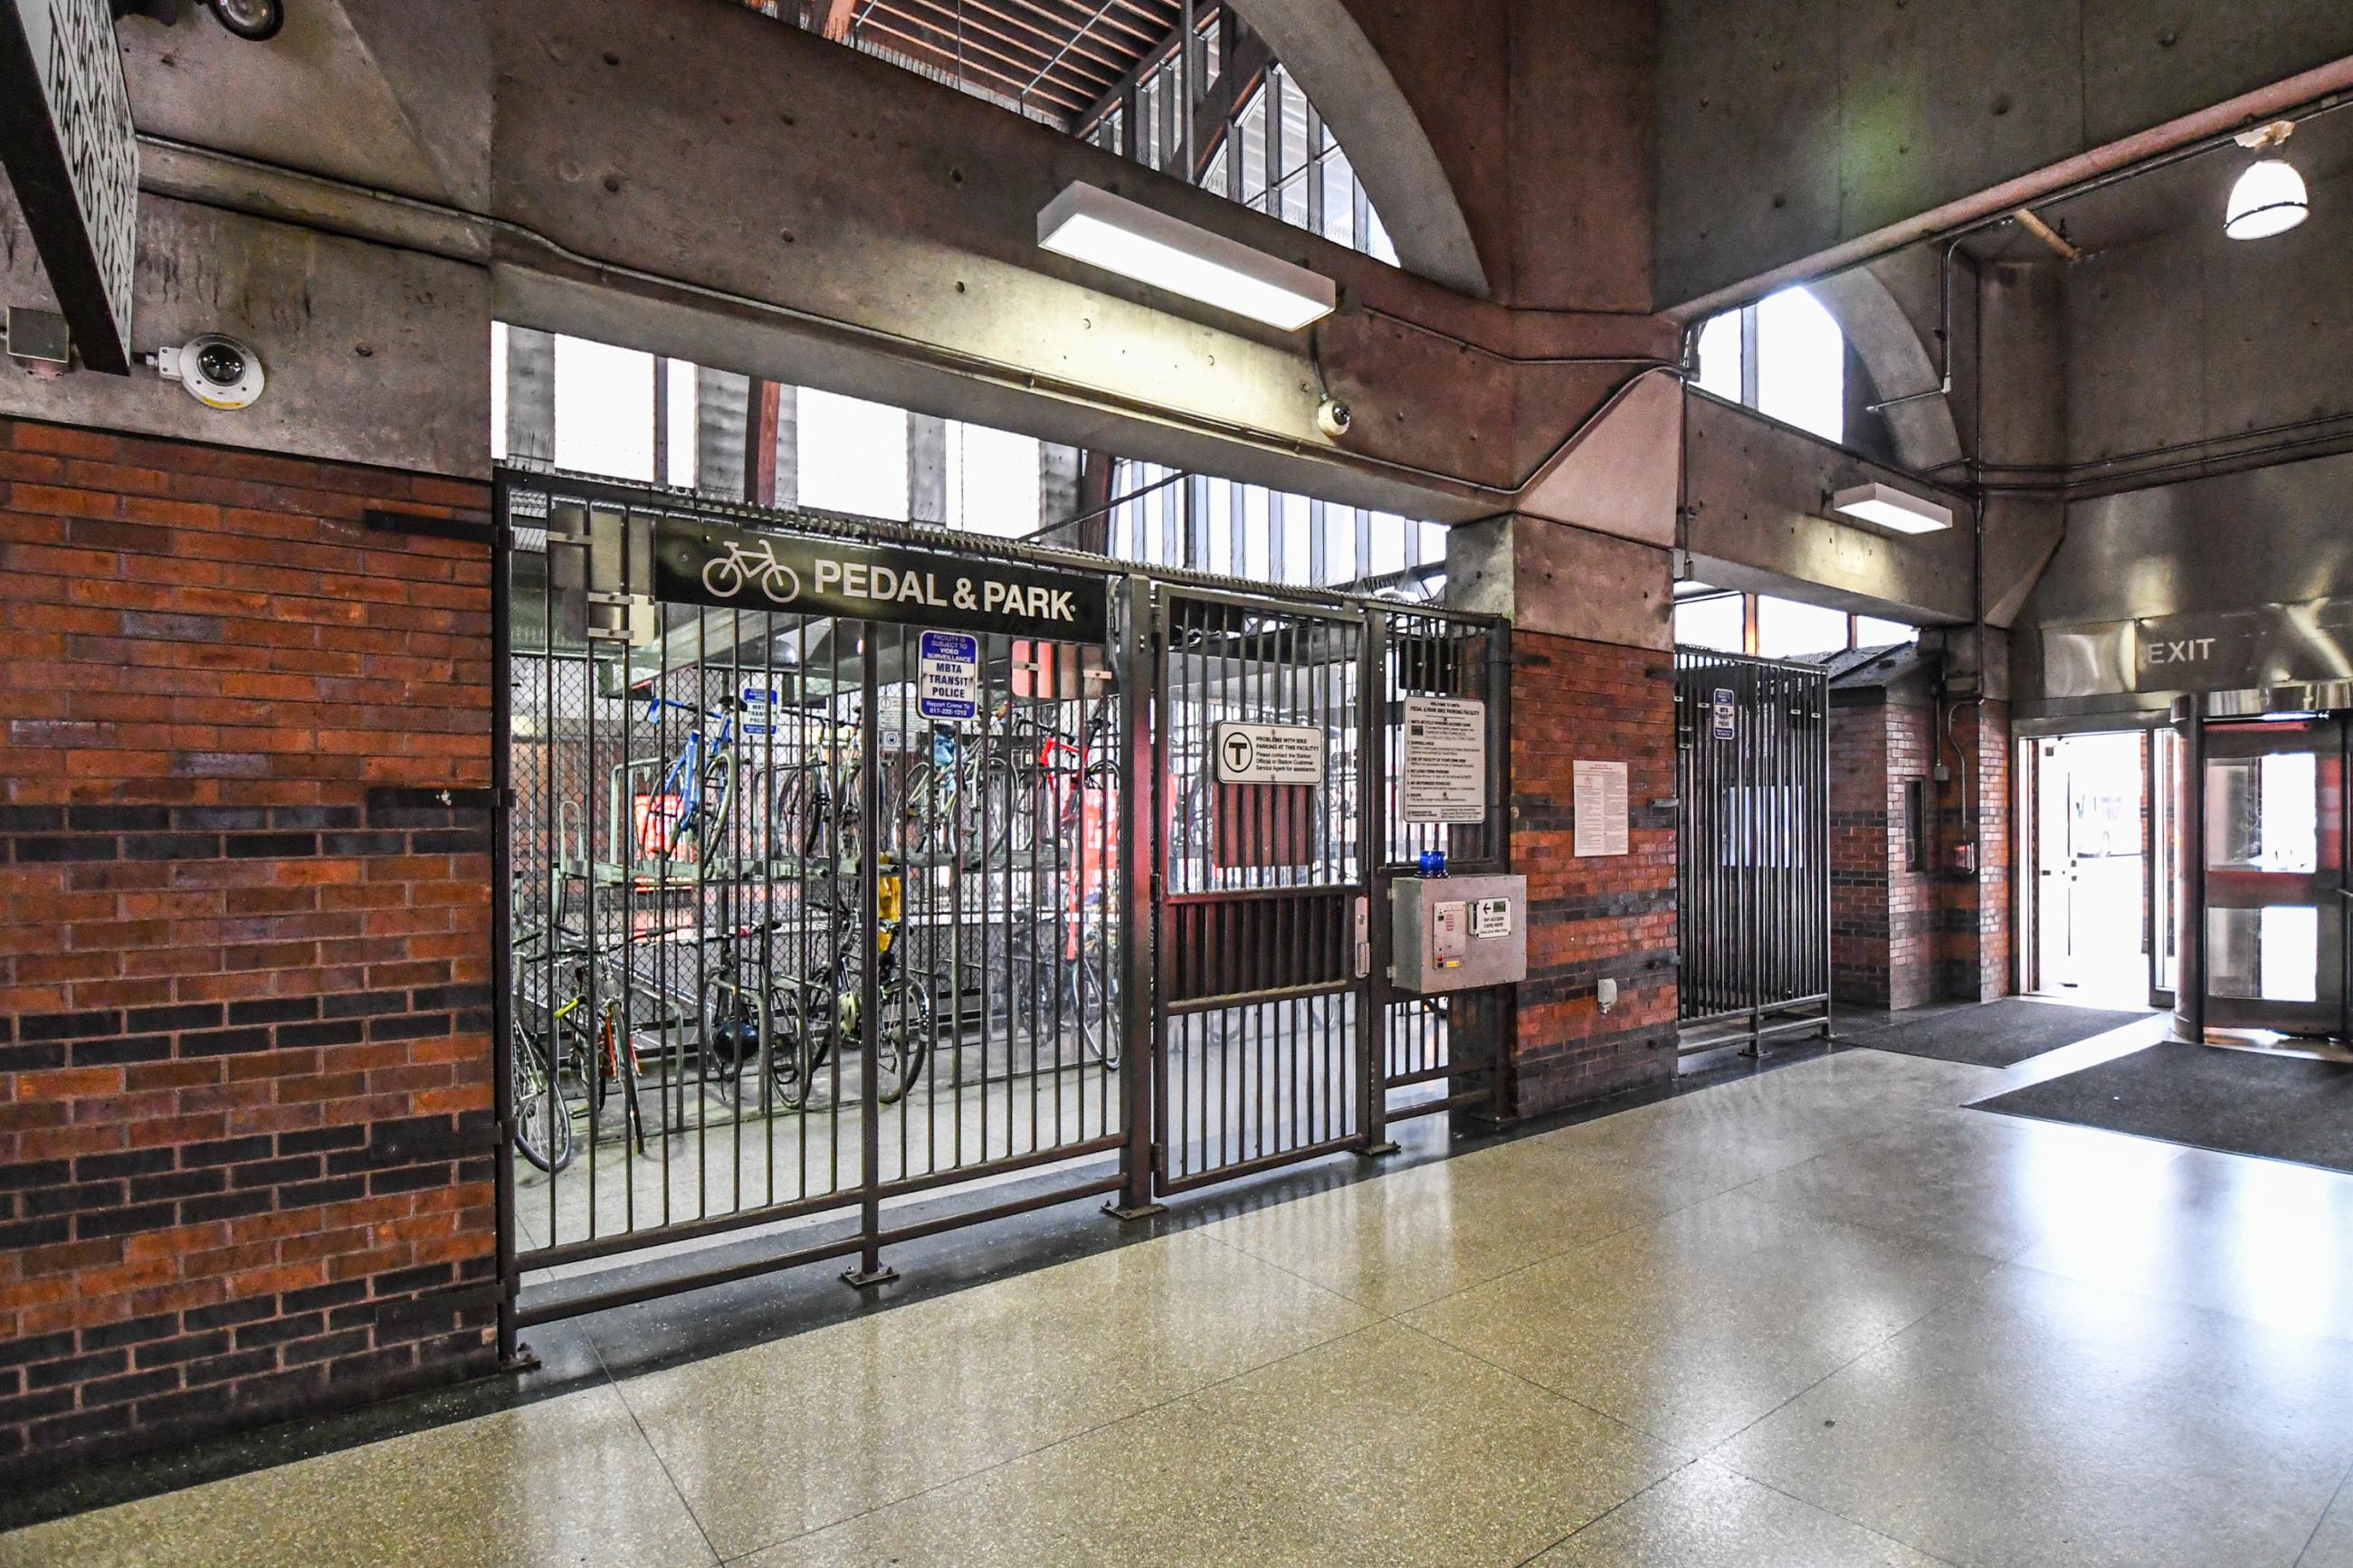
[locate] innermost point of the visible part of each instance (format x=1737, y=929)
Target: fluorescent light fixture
x=2269, y=199
x=1090, y=224
x=1890, y=508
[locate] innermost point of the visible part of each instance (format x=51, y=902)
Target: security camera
x=1333, y=418
x=218, y=371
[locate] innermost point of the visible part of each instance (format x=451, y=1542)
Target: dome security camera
x=1334, y=417
x=218, y=371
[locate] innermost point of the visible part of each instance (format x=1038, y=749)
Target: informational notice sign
x=1723, y=710
x=947, y=676
x=1491, y=918
x=704, y=561
x=1443, y=774
x=1599, y=791
x=72, y=157
x=1269, y=753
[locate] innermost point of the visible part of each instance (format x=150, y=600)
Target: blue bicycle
x=698, y=790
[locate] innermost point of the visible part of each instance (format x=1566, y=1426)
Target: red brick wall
x=1594, y=916
x=1973, y=946
x=1883, y=916
x=245, y=1128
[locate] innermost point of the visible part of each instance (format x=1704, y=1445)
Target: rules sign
x=1444, y=773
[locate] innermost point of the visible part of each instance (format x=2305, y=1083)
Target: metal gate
x=1753, y=875
x=815, y=932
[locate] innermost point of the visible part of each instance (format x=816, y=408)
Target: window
x=1801, y=365
x=1719, y=621
x=603, y=409
x=852, y=456
x=992, y=481
x=1799, y=376
x=1869, y=631
x=1719, y=356
x=1788, y=630
x=497, y=392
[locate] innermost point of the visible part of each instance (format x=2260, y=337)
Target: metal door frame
x=1166, y=1180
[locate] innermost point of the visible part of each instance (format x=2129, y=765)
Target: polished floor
x=1824, y=1316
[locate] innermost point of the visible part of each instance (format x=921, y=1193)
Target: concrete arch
x=1320, y=44
x=1900, y=362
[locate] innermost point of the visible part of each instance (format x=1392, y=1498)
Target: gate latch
x=1364, y=936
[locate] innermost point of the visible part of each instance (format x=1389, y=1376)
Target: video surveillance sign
x=711, y=563
x=72, y=157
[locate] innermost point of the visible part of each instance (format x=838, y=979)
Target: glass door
x=2275, y=889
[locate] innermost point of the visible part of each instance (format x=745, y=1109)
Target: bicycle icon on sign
x=726, y=575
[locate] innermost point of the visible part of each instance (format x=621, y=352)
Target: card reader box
x=1458, y=933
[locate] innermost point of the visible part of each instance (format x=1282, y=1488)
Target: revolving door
x=2263, y=895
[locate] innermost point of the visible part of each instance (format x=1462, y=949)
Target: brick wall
x=1594, y=916
x=245, y=1129
x=1973, y=942
x=1884, y=914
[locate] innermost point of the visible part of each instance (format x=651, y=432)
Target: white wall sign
x=1443, y=776
x=947, y=678
x=1491, y=918
x=1599, y=790
x=1269, y=753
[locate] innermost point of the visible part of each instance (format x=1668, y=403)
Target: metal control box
x=1457, y=933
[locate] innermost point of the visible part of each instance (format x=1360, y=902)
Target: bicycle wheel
x=542, y=1121
x=707, y=823
x=902, y=1040
x=730, y=1028
x=799, y=1032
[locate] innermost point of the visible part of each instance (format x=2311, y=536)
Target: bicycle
x=793, y=1023
x=698, y=790
x=1078, y=985
x=574, y=1063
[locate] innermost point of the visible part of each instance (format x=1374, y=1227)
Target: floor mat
x=2240, y=1102
x=1988, y=1035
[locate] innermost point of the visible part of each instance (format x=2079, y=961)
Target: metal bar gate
x=1753, y=873
x=818, y=930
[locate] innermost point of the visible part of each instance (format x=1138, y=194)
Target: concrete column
x=927, y=468
x=788, y=447
x=1058, y=483
x=721, y=401
x=531, y=396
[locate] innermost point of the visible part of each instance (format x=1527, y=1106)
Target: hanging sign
x=710, y=562
x=1599, y=790
x=947, y=677
x=72, y=157
x=1443, y=776
x=1269, y=753
x=1725, y=711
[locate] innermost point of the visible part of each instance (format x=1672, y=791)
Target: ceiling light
x=1093, y=225
x=2268, y=197
x=1891, y=508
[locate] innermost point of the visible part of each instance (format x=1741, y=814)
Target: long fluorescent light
x=1090, y=225
x=1891, y=508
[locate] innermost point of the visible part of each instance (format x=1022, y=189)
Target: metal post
x=870, y=1269
x=2190, y=985
x=1139, y=864
x=1372, y=857
x=512, y=1356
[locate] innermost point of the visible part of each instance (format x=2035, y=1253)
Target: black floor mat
x=1990, y=1034
x=2240, y=1102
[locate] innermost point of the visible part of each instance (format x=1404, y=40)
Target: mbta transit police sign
x=740, y=568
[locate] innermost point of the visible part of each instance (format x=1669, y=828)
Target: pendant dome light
x=2268, y=197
